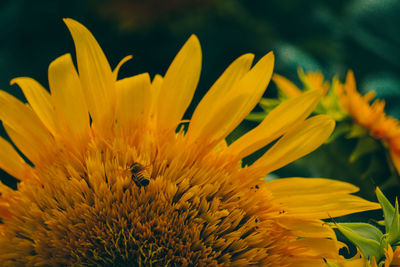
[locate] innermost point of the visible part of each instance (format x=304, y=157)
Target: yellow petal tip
x=75, y=25
x=17, y=79
x=68, y=20
x=194, y=38
x=194, y=41
x=271, y=55
x=13, y=81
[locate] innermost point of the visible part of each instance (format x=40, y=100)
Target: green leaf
x=268, y=104
x=388, y=209
x=365, y=230
x=356, y=131
x=256, y=116
x=368, y=247
x=384, y=242
x=340, y=129
x=394, y=229
x=380, y=223
x=365, y=145
x=331, y=103
x=303, y=78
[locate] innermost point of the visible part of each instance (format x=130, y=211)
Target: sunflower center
x=123, y=206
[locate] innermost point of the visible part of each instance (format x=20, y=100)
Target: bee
x=139, y=174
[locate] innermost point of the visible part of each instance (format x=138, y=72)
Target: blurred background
x=316, y=35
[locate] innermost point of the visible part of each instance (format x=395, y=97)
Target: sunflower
x=311, y=81
x=392, y=258
x=372, y=117
x=114, y=179
x=329, y=103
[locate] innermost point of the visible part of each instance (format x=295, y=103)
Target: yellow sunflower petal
x=369, y=96
x=155, y=91
x=204, y=110
x=356, y=261
x=27, y=131
x=133, y=89
x=396, y=257
x=306, y=186
x=388, y=255
x=277, y=122
x=220, y=126
x=326, y=206
x=95, y=75
x=179, y=85
x=68, y=97
x=350, y=84
x=122, y=62
x=28, y=145
x=299, y=141
x=245, y=94
x=40, y=101
x=287, y=87
x=373, y=262
x=256, y=80
x=321, y=247
x=157, y=83
x=10, y=161
x=307, y=227
x=317, y=198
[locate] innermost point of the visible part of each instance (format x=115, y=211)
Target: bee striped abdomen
x=139, y=174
